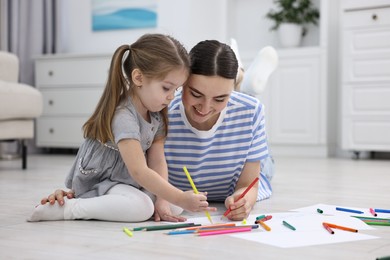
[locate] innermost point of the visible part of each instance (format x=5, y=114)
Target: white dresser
x=365, y=78
x=71, y=86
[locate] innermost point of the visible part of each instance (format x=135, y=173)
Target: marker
x=288, y=225
x=260, y=217
x=210, y=228
x=328, y=228
x=128, y=232
x=222, y=225
x=227, y=228
x=181, y=232
x=372, y=219
x=341, y=227
x=164, y=227
x=383, y=258
x=382, y=210
x=264, y=225
x=242, y=194
x=195, y=190
x=265, y=218
x=320, y=211
x=377, y=223
x=220, y=232
x=372, y=211
x=349, y=210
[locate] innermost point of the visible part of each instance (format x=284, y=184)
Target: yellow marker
x=195, y=190
x=244, y=221
x=128, y=232
x=264, y=225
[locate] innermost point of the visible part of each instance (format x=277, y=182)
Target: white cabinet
x=365, y=49
x=295, y=98
x=295, y=102
x=71, y=86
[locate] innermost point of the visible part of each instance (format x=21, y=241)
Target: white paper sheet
x=309, y=230
x=331, y=210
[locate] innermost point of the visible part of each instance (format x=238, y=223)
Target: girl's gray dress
x=98, y=167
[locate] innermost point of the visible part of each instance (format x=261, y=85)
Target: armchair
x=20, y=104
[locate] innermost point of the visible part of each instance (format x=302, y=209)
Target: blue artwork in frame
x=123, y=14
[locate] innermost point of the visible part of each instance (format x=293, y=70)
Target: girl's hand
x=162, y=211
x=58, y=195
x=195, y=202
x=239, y=209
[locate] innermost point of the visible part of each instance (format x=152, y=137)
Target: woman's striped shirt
x=215, y=158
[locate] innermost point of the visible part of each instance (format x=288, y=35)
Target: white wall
x=190, y=21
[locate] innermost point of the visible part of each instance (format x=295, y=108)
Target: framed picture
x=123, y=14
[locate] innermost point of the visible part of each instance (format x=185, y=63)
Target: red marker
x=268, y=217
x=242, y=194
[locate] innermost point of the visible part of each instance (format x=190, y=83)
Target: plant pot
x=290, y=35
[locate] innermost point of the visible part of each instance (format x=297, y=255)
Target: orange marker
x=341, y=227
x=222, y=225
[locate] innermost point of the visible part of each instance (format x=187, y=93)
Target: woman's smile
x=200, y=113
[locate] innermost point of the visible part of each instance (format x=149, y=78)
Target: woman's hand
x=239, y=209
x=162, y=211
x=58, y=196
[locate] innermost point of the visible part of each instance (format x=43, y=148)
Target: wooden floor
x=298, y=183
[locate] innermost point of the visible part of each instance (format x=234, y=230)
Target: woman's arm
x=242, y=207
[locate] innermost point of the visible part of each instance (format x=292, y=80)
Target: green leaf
x=301, y=12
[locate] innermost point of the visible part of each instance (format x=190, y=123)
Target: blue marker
x=349, y=210
x=181, y=232
x=382, y=210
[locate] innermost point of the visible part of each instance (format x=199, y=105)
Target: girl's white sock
x=52, y=212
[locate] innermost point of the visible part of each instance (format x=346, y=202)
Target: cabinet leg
x=356, y=155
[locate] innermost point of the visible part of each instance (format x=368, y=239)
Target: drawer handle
x=51, y=73
x=51, y=102
x=374, y=17
x=51, y=130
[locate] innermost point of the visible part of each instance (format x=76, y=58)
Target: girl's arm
x=156, y=161
x=133, y=156
x=241, y=208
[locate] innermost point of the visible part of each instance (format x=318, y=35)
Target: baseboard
x=320, y=151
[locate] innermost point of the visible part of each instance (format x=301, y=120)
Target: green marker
x=288, y=225
x=377, y=223
x=320, y=211
x=164, y=227
x=384, y=258
x=260, y=217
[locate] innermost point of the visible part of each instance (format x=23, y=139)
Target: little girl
x=121, y=163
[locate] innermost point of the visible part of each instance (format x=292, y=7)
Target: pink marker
x=372, y=211
x=226, y=231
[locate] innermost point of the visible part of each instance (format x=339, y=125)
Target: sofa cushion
x=19, y=101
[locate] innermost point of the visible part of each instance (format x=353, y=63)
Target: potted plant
x=291, y=18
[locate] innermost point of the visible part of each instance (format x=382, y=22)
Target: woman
x=218, y=134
